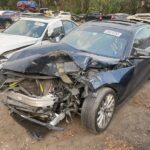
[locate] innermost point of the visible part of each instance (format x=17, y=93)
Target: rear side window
x=142, y=39
x=68, y=26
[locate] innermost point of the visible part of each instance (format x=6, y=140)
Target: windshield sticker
x=39, y=24
x=114, y=33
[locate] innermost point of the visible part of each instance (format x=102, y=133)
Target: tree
x=83, y=6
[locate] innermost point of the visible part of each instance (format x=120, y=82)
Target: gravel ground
x=129, y=130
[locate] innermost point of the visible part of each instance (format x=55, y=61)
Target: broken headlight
x=3, y=59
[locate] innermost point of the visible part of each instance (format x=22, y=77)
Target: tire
x=94, y=108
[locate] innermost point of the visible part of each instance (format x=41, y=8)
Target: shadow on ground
x=129, y=129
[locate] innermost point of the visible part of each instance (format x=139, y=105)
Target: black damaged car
x=5, y=22
x=90, y=72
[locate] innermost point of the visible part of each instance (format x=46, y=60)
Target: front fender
x=117, y=79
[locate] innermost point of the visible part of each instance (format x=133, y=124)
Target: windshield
x=27, y=28
x=98, y=40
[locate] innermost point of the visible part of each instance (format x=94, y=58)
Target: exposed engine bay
x=48, y=101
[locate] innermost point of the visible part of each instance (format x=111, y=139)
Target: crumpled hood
x=42, y=60
x=12, y=42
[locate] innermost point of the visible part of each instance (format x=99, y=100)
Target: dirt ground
x=129, y=130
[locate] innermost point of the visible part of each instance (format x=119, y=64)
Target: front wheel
x=97, y=113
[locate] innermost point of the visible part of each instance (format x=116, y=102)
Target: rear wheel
x=97, y=112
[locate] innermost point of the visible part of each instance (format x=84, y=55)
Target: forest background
x=84, y=6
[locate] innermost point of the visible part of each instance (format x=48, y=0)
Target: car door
x=68, y=26
x=141, y=66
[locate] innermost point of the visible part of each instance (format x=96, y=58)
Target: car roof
x=126, y=25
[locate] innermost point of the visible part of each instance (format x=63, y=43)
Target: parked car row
x=9, y=17
x=143, y=17
x=99, y=16
x=84, y=17
x=51, y=69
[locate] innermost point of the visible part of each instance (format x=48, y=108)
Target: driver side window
x=68, y=26
x=142, y=40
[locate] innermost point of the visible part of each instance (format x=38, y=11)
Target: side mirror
x=54, y=34
x=49, y=35
x=141, y=53
x=59, y=37
x=53, y=38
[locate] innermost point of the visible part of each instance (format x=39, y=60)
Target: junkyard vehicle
x=119, y=16
x=78, y=17
x=29, y=31
x=104, y=17
x=65, y=15
x=7, y=18
x=13, y=15
x=143, y=17
x=43, y=10
x=5, y=22
x=116, y=16
x=75, y=17
x=90, y=72
x=93, y=16
x=27, y=5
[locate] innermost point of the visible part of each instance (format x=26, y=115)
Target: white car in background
x=145, y=16
x=1, y=12
x=65, y=15
x=30, y=31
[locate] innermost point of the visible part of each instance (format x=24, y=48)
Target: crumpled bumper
x=12, y=98
x=50, y=125
x=22, y=105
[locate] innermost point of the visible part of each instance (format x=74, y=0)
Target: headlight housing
x=3, y=60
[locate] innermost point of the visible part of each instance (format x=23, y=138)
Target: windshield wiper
x=86, y=51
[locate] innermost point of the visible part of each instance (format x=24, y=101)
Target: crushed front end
x=44, y=100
